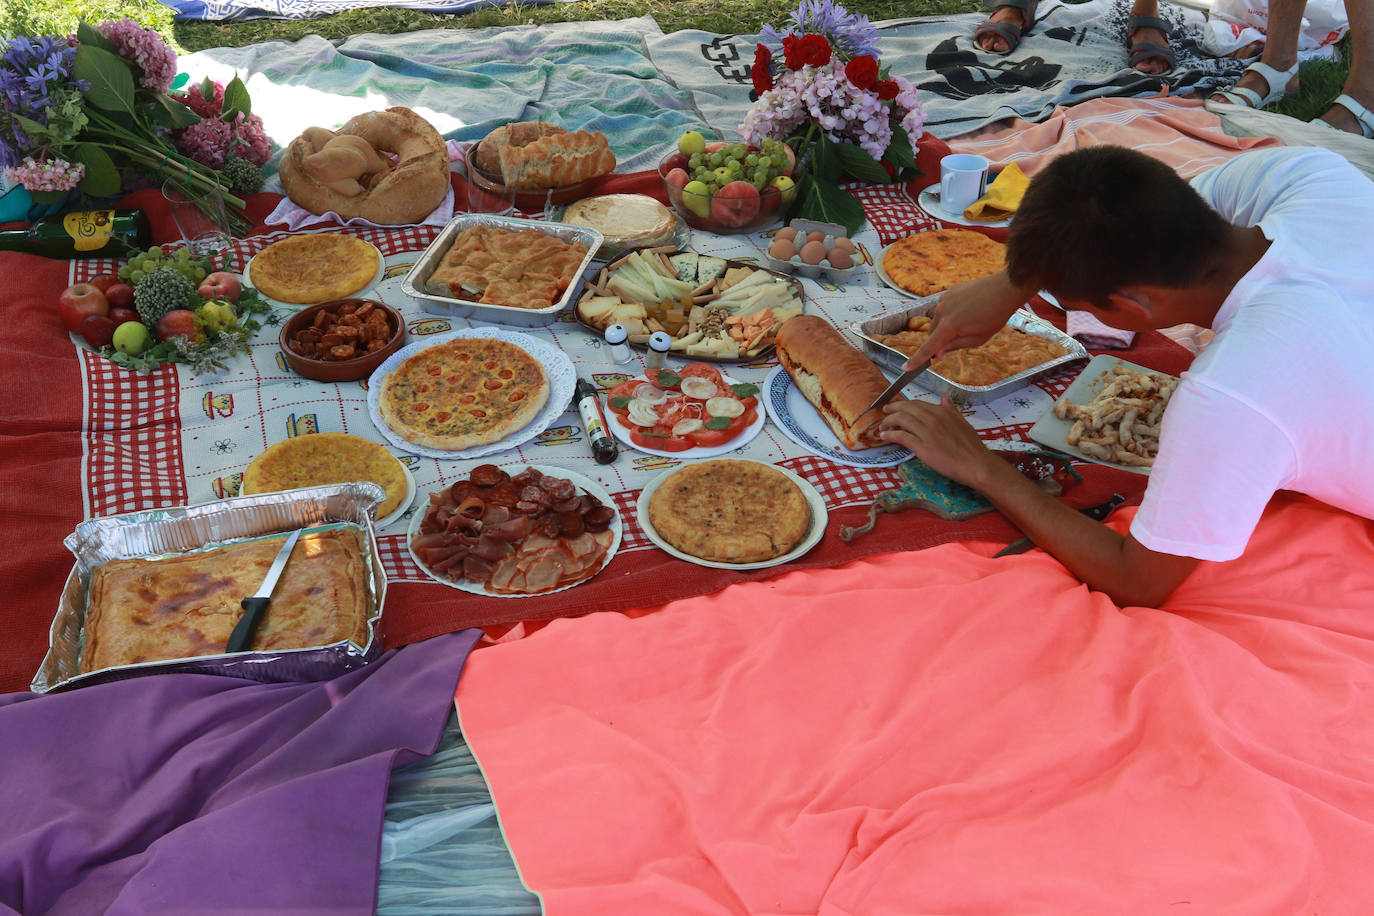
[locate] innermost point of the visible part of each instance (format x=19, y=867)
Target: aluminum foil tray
x=1023, y=320
x=184, y=529
x=415, y=281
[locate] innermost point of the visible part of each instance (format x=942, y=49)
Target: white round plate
x=381, y=269
x=799, y=421
x=403, y=505
x=622, y=432
x=819, y=517
x=558, y=368
x=617, y=530
x=929, y=201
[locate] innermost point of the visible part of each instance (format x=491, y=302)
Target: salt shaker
x=616, y=335
x=659, y=343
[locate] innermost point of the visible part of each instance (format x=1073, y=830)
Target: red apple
x=791, y=160
x=121, y=315
x=178, y=323
x=98, y=330
x=715, y=145
x=76, y=302
x=677, y=180
x=220, y=285
x=103, y=282
x=735, y=204
x=120, y=295
x=675, y=161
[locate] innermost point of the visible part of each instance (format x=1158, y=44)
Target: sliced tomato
x=710, y=438
x=680, y=409
x=659, y=443
x=705, y=370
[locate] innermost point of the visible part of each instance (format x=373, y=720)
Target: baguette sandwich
x=836, y=378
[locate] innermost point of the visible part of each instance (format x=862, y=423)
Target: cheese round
x=626, y=220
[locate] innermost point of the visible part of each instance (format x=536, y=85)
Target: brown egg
x=782, y=249
x=840, y=259
x=785, y=234
x=816, y=237
x=813, y=252
x=845, y=244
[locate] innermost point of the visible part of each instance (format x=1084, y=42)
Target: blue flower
x=850, y=34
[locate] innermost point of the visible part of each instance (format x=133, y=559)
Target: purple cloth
x=186, y=793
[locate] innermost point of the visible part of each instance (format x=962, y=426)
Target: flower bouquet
x=836, y=106
x=92, y=113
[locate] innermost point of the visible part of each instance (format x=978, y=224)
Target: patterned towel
x=221, y=10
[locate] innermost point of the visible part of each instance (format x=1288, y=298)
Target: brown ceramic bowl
x=344, y=370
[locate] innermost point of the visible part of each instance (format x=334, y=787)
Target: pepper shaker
x=616, y=335
x=659, y=343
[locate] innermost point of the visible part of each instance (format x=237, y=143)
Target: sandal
x=1148, y=49
x=1009, y=33
x=1276, y=81
x=1363, y=116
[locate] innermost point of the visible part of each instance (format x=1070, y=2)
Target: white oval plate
x=277, y=303
x=558, y=368
x=929, y=201
x=799, y=421
x=617, y=530
x=622, y=432
x=819, y=518
x=403, y=505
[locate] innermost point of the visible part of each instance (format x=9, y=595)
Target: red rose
x=862, y=71
x=815, y=50
x=886, y=89
x=760, y=72
x=792, y=52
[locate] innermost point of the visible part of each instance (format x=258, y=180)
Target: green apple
x=131, y=337
x=697, y=197
x=787, y=188
x=691, y=142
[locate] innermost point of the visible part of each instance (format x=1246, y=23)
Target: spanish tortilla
x=313, y=268
x=321, y=458
x=730, y=511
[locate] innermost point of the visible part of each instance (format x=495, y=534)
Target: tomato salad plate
x=692, y=412
x=539, y=530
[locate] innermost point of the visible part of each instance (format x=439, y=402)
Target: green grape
x=761, y=178
x=136, y=275
x=751, y=160
x=723, y=176
x=734, y=166
x=766, y=162
x=716, y=159
x=696, y=160
x=155, y=251
x=738, y=150
x=183, y=255
x=198, y=274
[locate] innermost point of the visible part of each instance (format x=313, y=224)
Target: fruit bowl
x=339, y=370
x=733, y=206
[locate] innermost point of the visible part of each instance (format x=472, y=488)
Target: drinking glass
x=201, y=221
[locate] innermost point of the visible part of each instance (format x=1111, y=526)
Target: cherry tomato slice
x=705, y=370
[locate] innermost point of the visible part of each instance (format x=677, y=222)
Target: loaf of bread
x=838, y=380
x=487, y=155
x=553, y=160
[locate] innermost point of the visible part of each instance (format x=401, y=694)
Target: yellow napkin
x=1002, y=197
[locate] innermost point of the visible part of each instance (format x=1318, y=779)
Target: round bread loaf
x=518, y=134
x=330, y=171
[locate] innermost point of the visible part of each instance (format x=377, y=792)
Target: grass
x=1321, y=80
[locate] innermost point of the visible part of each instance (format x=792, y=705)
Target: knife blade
x=1097, y=513
x=891, y=391
x=254, y=605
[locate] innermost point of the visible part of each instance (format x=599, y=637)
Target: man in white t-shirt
x=1275, y=252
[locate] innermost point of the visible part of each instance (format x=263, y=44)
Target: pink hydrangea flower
x=211, y=140
x=206, y=108
x=253, y=143
x=46, y=174
x=145, y=48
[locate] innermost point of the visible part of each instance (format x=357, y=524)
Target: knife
x=891, y=391
x=1098, y=513
x=253, y=606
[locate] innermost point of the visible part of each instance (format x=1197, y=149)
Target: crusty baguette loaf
x=556, y=160
x=487, y=155
x=836, y=378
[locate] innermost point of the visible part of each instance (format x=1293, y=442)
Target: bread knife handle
x=242, y=636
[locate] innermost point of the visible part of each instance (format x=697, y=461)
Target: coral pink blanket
x=942, y=732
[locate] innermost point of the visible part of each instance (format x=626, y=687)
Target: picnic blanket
x=1077, y=51
x=583, y=75
x=198, y=794
x=943, y=732
x=225, y=10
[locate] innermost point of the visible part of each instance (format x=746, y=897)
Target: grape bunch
x=736, y=162
x=140, y=264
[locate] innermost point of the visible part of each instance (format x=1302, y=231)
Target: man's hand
x=968, y=314
x=939, y=435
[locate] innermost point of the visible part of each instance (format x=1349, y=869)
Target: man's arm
x=1107, y=561
x=970, y=313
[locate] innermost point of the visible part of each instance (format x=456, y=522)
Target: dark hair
x=1099, y=219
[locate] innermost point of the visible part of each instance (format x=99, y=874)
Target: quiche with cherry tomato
x=467, y=392
x=694, y=407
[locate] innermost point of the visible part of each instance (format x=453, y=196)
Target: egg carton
x=812, y=271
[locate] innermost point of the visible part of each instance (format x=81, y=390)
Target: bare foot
x=995, y=43
x=1151, y=65
x=1339, y=116
x=1251, y=80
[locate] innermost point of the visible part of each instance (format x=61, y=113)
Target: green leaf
x=825, y=165
x=899, y=151
x=825, y=202
x=745, y=389
x=235, y=100
x=48, y=198
x=668, y=379
x=621, y=402
x=102, y=177
x=111, y=82
x=172, y=114
x=717, y=423
x=90, y=35
x=856, y=162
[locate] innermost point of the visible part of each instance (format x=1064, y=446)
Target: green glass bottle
x=82, y=234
